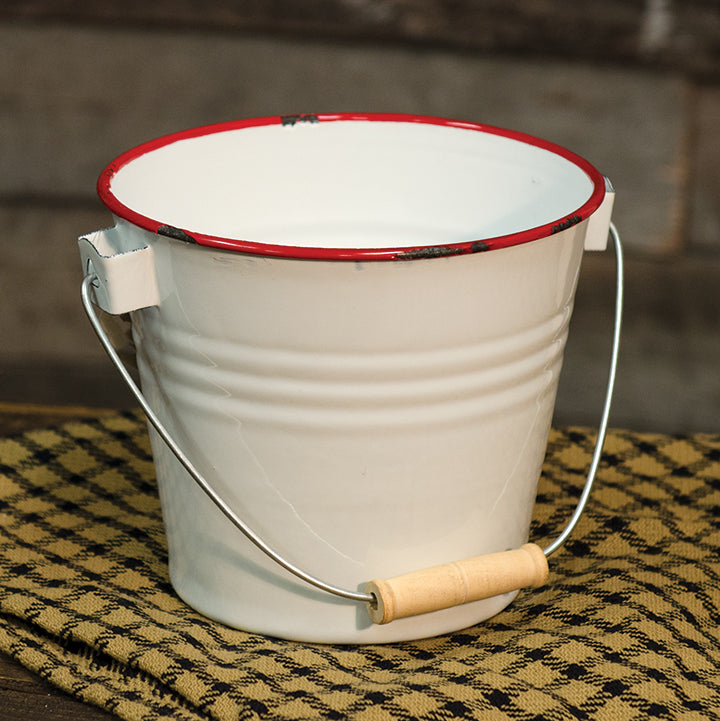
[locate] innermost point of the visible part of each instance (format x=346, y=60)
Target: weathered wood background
x=657, y=33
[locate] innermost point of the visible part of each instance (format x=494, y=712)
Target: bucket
x=349, y=331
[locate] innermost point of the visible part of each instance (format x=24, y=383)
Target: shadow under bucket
x=349, y=332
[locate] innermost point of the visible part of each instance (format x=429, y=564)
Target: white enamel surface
x=125, y=278
x=352, y=184
x=598, y=228
x=366, y=419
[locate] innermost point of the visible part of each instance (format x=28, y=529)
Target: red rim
x=403, y=253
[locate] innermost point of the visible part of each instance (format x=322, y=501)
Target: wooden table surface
x=23, y=695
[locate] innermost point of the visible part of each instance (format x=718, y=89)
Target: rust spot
x=442, y=251
x=432, y=251
x=565, y=224
x=170, y=231
x=295, y=119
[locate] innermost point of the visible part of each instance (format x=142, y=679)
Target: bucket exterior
x=367, y=411
x=369, y=419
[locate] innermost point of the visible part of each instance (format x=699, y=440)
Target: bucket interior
x=351, y=183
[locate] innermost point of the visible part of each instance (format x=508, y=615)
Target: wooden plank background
x=656, y=33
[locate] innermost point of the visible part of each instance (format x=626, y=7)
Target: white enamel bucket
x=349, y=332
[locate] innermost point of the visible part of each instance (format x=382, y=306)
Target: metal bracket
x=125, y=281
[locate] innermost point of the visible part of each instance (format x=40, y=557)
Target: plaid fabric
x=627, y=627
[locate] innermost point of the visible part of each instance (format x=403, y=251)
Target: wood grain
x=456, y=583
x=683, y=36
x=25, y=697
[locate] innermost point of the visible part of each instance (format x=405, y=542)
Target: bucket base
x=319, y=618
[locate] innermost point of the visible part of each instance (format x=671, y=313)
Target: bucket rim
x=407, y=252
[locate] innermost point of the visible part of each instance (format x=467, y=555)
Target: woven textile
x=627, y=627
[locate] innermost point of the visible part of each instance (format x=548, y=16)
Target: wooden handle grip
x=456, y=583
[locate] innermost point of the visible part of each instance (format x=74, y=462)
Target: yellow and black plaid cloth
x=628, y=626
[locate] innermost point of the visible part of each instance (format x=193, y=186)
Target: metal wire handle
x=602, y=428
x=91, y=281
